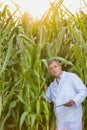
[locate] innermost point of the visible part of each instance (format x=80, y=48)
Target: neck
x=59, y=75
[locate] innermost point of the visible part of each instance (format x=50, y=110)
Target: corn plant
x=25, y=47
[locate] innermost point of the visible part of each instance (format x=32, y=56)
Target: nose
x=54, y=70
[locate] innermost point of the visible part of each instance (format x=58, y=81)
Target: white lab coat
x=69, y=88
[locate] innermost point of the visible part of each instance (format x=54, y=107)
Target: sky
x=37, y=7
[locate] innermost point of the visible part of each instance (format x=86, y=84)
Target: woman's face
x=55, y=69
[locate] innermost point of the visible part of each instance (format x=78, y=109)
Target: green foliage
x=24, y=50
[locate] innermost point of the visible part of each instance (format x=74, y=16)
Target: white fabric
x=69, y=88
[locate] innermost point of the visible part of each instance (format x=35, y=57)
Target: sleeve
x=48, y=95
x=80, y=88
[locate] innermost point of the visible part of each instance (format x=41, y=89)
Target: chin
x=56, y=76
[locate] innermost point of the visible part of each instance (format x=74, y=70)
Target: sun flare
x=36, y=8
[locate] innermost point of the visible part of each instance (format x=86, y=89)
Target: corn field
x=25, y=46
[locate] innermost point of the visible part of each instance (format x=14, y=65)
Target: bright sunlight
x=36, y=8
